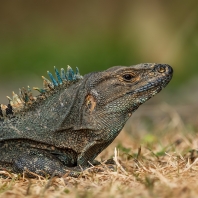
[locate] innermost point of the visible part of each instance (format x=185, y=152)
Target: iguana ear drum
x=90, y=102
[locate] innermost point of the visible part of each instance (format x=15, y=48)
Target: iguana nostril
x=170, y=70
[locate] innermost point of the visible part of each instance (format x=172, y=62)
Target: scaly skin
x=73, y=125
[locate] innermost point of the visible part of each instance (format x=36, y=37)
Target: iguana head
x=114, y=94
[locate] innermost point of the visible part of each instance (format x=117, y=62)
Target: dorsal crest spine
x=25, y=97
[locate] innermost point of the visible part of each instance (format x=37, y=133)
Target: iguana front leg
x=90, y=152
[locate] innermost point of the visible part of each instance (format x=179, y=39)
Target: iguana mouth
x=152, y=85
x=161, y=83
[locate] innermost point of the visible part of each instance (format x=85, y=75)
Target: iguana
x=74, y=117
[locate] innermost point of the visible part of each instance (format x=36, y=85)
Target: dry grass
x=162, y=163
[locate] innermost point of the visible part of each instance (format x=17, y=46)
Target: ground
x=155, y=156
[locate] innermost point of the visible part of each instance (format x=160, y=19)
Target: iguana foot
x=40, y=163
x=93, y=167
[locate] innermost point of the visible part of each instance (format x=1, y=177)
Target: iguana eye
x=161, y=69
x=127, y=77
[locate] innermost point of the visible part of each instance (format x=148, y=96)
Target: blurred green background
x=95, y=35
